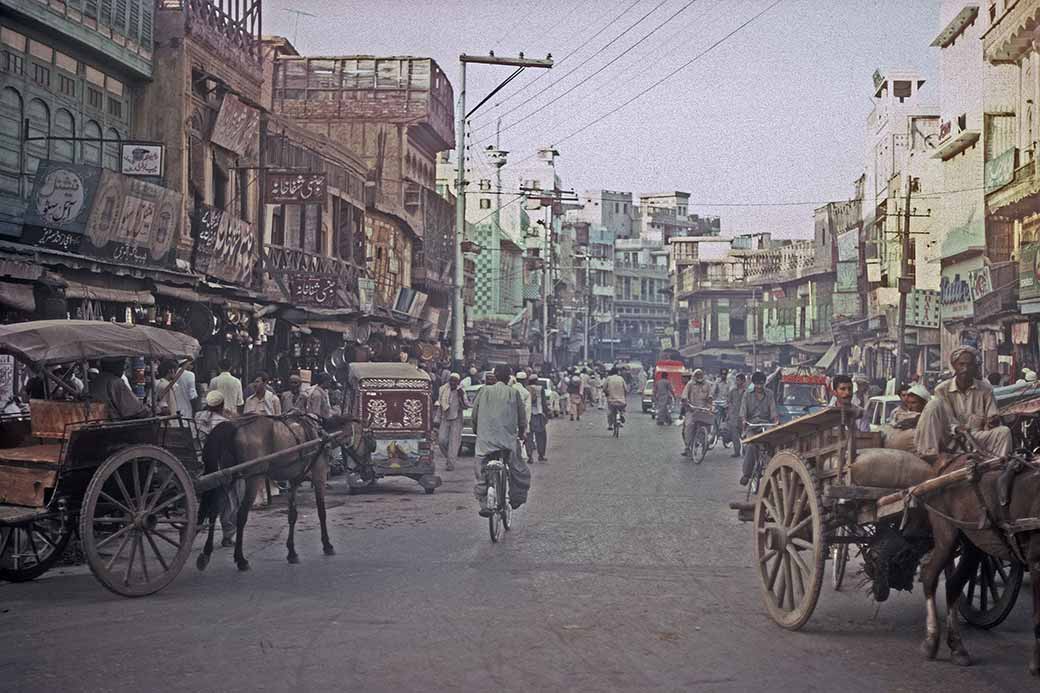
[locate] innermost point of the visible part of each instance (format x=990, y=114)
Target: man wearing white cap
x=525, y=396
x=964, y=402
x=914, y=399
x=451, y=400
x=205, y=421
x=212, y=416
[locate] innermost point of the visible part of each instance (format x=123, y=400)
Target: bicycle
x=699, y=447
x=616, y=416
x=761, y=458
x=720, y=430
x=496, y=476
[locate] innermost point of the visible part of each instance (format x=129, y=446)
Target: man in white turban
x=962, y=403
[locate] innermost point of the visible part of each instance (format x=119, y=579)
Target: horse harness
x=306, y=459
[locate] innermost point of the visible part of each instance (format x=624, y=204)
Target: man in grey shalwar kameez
x=500, y=419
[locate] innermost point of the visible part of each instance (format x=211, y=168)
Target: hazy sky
x=775, y=113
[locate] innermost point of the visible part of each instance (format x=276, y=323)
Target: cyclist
x=759, y=406
x=615, y=390
x=499, y=420
x=697, y=393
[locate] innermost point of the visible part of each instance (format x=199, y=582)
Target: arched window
x=112, y=149
x=64, y=127
x=10, y=141
x=91, y=153
x=39, y=117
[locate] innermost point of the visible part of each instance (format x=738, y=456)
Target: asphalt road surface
x=625, y=571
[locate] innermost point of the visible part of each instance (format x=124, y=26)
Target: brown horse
x=251, y=437
x=958, y=517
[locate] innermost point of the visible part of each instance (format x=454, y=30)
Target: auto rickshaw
x=394, y=401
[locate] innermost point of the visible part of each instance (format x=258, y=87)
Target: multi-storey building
x=608, y=208
x=717, y=298
x=642, y=303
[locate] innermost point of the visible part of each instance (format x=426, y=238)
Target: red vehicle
x=674, y=371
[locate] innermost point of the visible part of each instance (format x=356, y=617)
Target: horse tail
x=219, y=452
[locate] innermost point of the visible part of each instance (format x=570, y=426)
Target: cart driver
x=110, y=389
x=962, y=403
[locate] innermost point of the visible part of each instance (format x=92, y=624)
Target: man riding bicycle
x=499, y=419
x=696, y=395
x=615, y=389
x=759, y=406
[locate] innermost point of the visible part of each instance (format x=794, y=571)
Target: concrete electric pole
x=461, y=116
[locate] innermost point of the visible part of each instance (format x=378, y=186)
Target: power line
x=584, y=43
x=583, y=62
x=601, y=69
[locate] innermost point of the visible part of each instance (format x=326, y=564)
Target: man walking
x=262, y=400
x=498, y=419
x=452, y=402
x=525, y=397
x=537, y=435
x=230, y=387
x=205, y=421
x=734, y=400
x=292, y=400
x=317, y=402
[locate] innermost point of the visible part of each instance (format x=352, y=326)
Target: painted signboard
x=922, y=309
x=848, y=246
x=1000, y=170
x=955, y=289
x=295, y=188
x=981, y=283
x=847, y=276
x=225, y=246
x=237, y=126
x=1029, y=272
x=141, y=159
x=845, y=306
x=103, y=214
x=308, y=279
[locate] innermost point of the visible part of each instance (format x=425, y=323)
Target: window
x=64, y=127
x=94, y=98
x=13, y=63
x=39, y=117
x=115, y=108
x=67, y=86
x=901, y=89
x=10, y=141
x=485, y=203
x=242, y=184
x=220, y=187
x=41, y=75
x=111, y=149
x=91, y=151
x=278, y=226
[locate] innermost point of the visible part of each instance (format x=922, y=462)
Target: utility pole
x=906, y=281
x=588, y=301
x=547, y=358
x=458, y=307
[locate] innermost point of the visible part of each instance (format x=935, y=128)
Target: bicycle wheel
x=700, y=445
x=494, y=521
x=711, y=435
x=756, y=475
x=840, y=556
x=507, y=510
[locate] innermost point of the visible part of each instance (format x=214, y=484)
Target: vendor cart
x=807, y=511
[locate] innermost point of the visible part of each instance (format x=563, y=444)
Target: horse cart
x=128, y=487
x=808, y=511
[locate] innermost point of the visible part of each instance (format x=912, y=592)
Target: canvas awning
x=17, y=296
x=104, y=293
x=192, y=296
x=829, y=357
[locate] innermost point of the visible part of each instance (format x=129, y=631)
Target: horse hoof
x=329, y=551
x=293, y=559
x=960, y=658
x=930, y=647
x=202, y=561
x=243, y=565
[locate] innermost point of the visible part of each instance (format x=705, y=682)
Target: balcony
x=1012, y=34
x=789, y=262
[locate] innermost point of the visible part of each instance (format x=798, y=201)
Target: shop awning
x=17, y=296
x=192, y=296
x=829, y=357
x=101, y=293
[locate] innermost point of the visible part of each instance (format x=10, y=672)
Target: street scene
x=563, y=345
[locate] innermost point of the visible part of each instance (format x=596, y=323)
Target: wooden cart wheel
x=790, y=548
x=137, y=523
x=991, y=592
x=30, y=549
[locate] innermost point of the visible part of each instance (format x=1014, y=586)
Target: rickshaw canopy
x=48, y=342
x=364, y=371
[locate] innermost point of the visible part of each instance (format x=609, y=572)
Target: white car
x=880, y=408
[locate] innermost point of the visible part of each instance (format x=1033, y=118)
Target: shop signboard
x=847, y=276
x=237, y=126
x=295, y=188
x=956, y=291
x=981, y=283
x=1029, y=272
x=1000, y=170
x=141, y=159
x=922, y=309
x=367, y=293
x=102, y=214
x=848, y=246
x=309, y=279
x=225, y=246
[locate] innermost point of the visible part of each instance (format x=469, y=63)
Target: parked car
x=879, y=409
x=647, y=398
x=469, y=435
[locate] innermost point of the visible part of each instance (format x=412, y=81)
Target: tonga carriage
x=808, y=511
x=128, y=487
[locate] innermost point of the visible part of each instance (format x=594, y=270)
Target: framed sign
x=141, y=159
x=295, y=188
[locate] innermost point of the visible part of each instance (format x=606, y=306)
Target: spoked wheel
x=840, y=558
x=756, y=476
x=30, y=549
x=138, y=520
x=790, y=548
x=496, y=525
x=506, y=508
x=711, y=435
x=700, y=445
x=991, y=591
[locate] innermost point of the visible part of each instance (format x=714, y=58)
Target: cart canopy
x=48, y=342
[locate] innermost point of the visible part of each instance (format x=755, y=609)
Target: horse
x=254, y=436
x=971, y=515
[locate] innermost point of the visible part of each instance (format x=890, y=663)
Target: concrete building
x=608, y=208
x=642, y=300
x=717, y=299
x=662, y=216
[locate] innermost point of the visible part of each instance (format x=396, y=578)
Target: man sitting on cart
x=759, y=406
x=962, y=403
x=697, y=396
x=110, y=389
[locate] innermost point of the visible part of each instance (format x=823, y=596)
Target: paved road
x=626, y=571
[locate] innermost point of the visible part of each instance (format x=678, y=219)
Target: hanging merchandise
x=1020, y=333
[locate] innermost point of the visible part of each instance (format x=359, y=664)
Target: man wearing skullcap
x=211, y=416
x=965, y=402
x=452, y=402
x=205, y=421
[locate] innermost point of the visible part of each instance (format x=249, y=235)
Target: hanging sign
x=141, y=159
x=295, y=188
